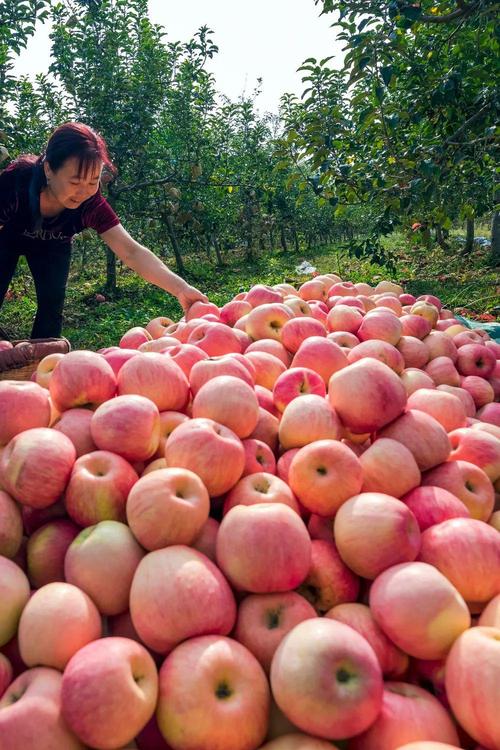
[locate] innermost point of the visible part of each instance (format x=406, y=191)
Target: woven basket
x=21, y=362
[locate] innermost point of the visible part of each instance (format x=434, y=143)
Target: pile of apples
x=271, y=525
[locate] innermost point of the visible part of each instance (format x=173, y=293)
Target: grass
x=465, y=285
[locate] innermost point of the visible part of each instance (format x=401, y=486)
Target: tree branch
x=462, y=10
x=476, y=116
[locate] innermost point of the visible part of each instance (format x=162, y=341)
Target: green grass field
x=464, y=284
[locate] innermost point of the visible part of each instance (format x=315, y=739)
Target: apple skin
x=490, y=616
x=424, y=745
x=98, y=488
x=325, y=474
x=213, y=693
x=463, y=395
x=408, y=713
x=374, y=531
x=267, y=429
x=297, y=330
x=413, y=379
x=111, y=677
x=228, y=401
x=22, y=406
x=168, y=506
x=134, y=337
x=258, y=457
x=128, y=426
x=443, y=371
x=262, y=294
x=46, y=550
x=271, y=346
x=476, y=359
x=306, y=419
x=156, y=377
x=248, y=556
x=30, y=713
x=490, y=413
x=264, y=620
x=476, y=447
x=75, y=424
x=215, y=338
x=472, y=677
x=393, y=662
x=467, y=482
x=309, y=672
x=423, y=435
x=410, y=600
x=6, y=674
x=81, y=378
x=480, y=389
x=329, y=581
x=11, y=526
x=380, y=350
x=268, y=368
x=54, y=609
x=467, y=552
x=415, y=325
x=298, y=741
x=344, y=317
x=14, y=594
x=209, y=449
x=266, y=321
x=389, y=467
x=321, y=355
x=260, y=487
x=433, y=505
x=206, y=541
x=294, y=382
x=366, y=395
x=102, y=561
x=380, y=325
x=446, y=408
x=35, y=466
x=178, y=593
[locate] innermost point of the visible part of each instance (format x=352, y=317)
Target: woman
x=45, y=201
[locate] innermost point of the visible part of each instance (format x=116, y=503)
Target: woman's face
x=69, y=188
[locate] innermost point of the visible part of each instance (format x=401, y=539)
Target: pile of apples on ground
x=267, y=526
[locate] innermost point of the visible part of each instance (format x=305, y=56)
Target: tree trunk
x=110, y=272
x=469, y=239
x=495, y=239
x=283, y=238
x=175, y=244
x=296, y=240
x=218, y=254
x=271, y=238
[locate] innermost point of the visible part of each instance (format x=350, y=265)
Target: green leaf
x=387, y=73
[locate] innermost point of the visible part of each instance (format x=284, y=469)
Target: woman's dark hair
x=72, y=139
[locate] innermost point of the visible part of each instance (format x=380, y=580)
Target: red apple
x=326, y=679
x=320, y=355
x=58, y=621
x=14, y=594
x=211, y=450
x=127, y=425
x=230, y=402
x=433, y=505
x=389, y=467
x=480, y=389
x=408, y=713
x=46, y=550
x=413, y=379
x=329, y=581
x=476, y=359
x=156, y=377
x=30, y=713
x=393, y=662
x=81, y=378
x=477, y=447
x=213, y=694
x=423, y=435
x=36, y=465
x=265, y=619
x=75, y=424
x=115, y=678
x=168, y=506
x=306, y=419
x=102, y=561
x=205, y=370
x=215, y=339
x=134, y=337
x=98, y=488
x=267, y=320
x=258, y=457
x=467, y=482
x=472, y=678
x=325, y=474
x=249, y=558
x=294, y=382
x=366, y=395
x=418, y=609
x=23, y=406
x=178, y=593
x=11, y=526
x=260, y=487
x=467, y=552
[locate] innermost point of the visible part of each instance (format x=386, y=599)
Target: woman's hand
x=188, y=295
